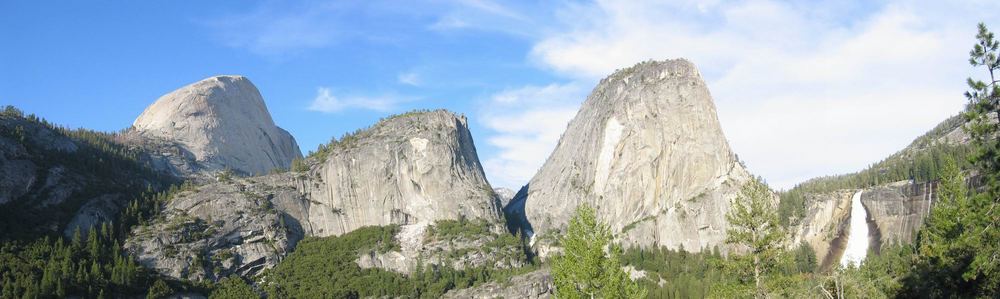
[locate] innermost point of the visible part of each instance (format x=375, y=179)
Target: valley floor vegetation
x=326, y=267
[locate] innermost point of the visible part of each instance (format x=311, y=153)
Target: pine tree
x=299, y=165
x=754, y=227
x=585, y=270
x=77, y=238
x=81, y=275
x=106, y=229
x=48, y=284
x=8, y=287
x=95, y=272
x=617, y=283
x=159, y=290
x=94, y=243
x=983, y=113
x=60, y=289
x=233, y=287
x=943, y=245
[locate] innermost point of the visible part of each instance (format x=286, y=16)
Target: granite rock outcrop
x=410, y=170
x=212, y=125
x=647, y=151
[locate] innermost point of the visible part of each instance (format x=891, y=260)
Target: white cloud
x=802, y=90
x=328, y=103
x=526, y=124
x=409, y=78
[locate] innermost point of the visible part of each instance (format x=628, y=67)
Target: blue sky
x=803, y=88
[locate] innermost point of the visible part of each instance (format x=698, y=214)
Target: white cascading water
x=857, y=235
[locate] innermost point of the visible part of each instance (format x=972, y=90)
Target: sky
x=803, y=88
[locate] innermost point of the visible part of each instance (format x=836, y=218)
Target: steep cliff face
x=824, y=224
x=504, y=195
x=214, y=124
x=646, y=150
x=898, y=209
x=895, y=212
x=411, y=170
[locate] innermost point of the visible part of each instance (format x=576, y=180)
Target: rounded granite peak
x=212, y=93
x=647, y=151
x=223, y=122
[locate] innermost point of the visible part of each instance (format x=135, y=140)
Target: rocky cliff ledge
x=646, y=150
x=533, y=285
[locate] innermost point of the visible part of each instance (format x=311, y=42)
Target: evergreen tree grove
x=233, y=287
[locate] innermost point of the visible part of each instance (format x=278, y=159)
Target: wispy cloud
x=277, y=30
x=487, y=15
x=409, y=78
x=526, y=123
x=327, y=103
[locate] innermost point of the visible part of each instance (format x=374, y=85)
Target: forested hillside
x=69, y=168
x=36, y=259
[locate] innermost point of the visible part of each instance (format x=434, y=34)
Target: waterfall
x=857, y=235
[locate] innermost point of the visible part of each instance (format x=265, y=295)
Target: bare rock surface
x=219, y=229
x=103, y=208
x=504, y=195
x=410, y=168
x=537, y=284
x=17, y=173
x=220, y=122
x=898, y=210
x=420, y=245
x=646, y=150
x=825, y=221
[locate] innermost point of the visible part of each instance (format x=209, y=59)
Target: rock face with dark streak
x=825, y=221
x=215, y=124
x=646, y=150
x=898, y=210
